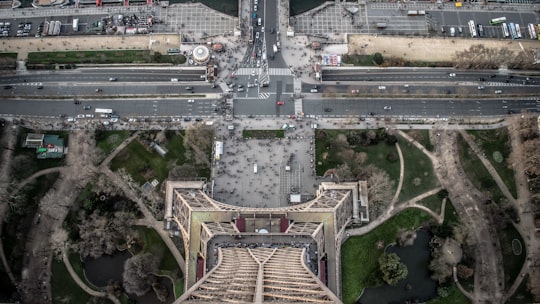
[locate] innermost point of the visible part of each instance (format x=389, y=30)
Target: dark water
x=416, y=258
x=110, y=268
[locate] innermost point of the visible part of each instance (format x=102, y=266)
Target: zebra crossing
x=264, y=95
x=246, y=71
x=279, y=72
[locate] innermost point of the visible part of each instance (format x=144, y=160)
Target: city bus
x=104, y=111
x=472, y=29
x=512, y=30
x=532, y=31
x=506, y=34
x=496, y=21
x=518, y=30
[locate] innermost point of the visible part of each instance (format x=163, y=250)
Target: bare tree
x=198, y=143
x=101, y=235
x=184, y=170
x=137, y=276
x=380, y=189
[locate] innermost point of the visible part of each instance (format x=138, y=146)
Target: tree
x=138, y=273
x=198, y=143
x=184, y=170
x=464, y=272
x=100, y=235
x=379, y=191
x=392, y=269
x=378, y=58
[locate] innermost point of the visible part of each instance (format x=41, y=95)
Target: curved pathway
x=29, y=179
x=492, y=171
x=391, y=212
x=8, y=141
x=82, y=285
x=489, y=275
x=458, y=284
x=401, y=173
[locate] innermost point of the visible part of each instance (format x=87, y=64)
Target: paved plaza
x=235, y=180
x=196, y=18
x=330, y=18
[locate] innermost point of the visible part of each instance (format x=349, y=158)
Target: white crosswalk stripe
x=264, y=95
x=245, y=71
x=283, y=72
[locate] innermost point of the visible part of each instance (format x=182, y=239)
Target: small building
x=159, y=149
x=33, y=140
x=218, y=47
x=316, y=45
x=218, y=150
x=46, y=145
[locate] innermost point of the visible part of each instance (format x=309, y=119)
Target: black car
x=77, y=102
x=187, y=118
x=481, y=79
x=8, y=87
x=328, y=109
x=198, y=119
x=189, y=88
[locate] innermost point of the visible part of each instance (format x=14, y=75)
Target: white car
x=253, y=73
x=262, y=29
x=256, y=1
x=229, y=90
x=314, y=91
x=452, y=75
x=480, y=87
x=387, y=107
x=498, y=92
x=254, y=8
x=191, y=100
x=382, y=88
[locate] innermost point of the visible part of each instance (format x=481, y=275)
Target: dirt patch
x=425, y=49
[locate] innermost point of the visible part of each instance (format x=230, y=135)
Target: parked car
x=498, y=92
x=387, y=107
x=280, y=103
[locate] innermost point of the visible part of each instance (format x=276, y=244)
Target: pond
x=110, y=268
x=417, y=285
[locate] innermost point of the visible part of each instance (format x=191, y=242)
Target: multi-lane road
x=144, y=92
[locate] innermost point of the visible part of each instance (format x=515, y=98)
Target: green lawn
x=168, y=266
x=263, y=133
x=512, y=263
x=64, y=289
x=418, y=176
x=421, y=136
x=359, y=255
x=100, y=57
x=433, y=202
x=476, y=171
x=492, y=141
x=455, y=297
x=522, y=294
x=107, y=141
x=327, y=155
x=144, y=164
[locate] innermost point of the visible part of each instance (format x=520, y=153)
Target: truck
x=75, y=24
x=275, y=48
